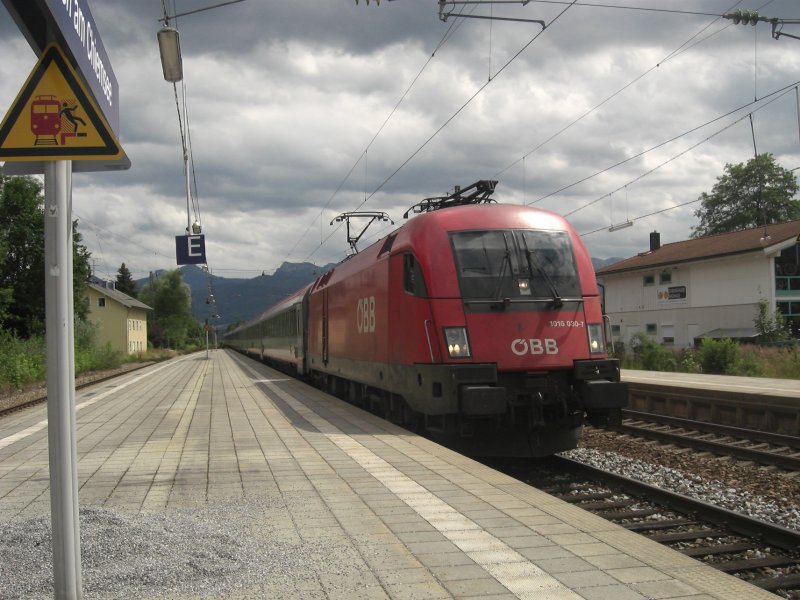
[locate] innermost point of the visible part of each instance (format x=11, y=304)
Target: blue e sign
x=190, y=249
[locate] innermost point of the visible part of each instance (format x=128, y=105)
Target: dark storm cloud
x=285, y=97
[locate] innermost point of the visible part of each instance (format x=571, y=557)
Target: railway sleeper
x=770, y=584
x=684, y=536
x=654, y=525
x=746, y=564
x=591, y=506
x=579, y=497
x=721, y=549
x=618, y=515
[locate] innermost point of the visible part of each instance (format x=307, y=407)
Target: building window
x=101, y=302
x=667, y=334
x=615, y=330
x=665, y=277
x=651, y=328
x=648, y=280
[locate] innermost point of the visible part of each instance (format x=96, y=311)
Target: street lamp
x=170, y=48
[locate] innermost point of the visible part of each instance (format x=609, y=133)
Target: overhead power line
x=776, y=93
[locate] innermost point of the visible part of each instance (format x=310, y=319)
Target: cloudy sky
x=299, y=111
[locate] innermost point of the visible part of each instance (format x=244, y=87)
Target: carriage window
x=413, y=281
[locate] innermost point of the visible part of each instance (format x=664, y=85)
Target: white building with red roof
x=711, y=286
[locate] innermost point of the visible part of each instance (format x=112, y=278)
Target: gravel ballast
x=220, y=551
x=763, y=493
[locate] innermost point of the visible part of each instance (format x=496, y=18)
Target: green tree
x=22, y=270
x=22, y=305
x=6, y=293
x=125, y=282
x=754, y=194
x=81, y=270
x=173, y=323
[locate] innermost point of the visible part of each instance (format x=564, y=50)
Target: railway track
x=761, y=553
x=782, y=451
x=12, y=403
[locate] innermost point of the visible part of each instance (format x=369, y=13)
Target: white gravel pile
x=783, y=511
x=210, y=552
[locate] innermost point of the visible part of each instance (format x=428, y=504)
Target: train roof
x=421, y=234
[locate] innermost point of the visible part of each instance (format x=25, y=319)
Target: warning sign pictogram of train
x=53, y=121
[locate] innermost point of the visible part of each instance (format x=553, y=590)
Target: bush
x=617, y=351
x=655, y=357
x=689, y=362
x=716, y=357
x=719, y=356
x=21, y=361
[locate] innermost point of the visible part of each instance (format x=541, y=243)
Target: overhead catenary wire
x=683, y=47
x=739, y=120
x=570, y=4
x=675, y=53
x=447, y=122
x=468, y=102
x=451, y=118
x=445, y=38
x=779, y=93
x=657, y=212
x=427, y=141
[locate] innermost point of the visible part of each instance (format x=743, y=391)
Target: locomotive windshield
x=518, y=264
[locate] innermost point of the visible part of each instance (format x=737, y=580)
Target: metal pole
x=186, y=166
x=61, y=381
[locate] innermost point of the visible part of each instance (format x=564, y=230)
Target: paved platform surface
x=781, y=388
x=387, y=514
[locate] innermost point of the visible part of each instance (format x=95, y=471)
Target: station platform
x=763, y=386
x=371, y=510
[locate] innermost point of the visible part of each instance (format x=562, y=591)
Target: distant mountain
x=237, y=300
x=242, y=299
x=599, y=263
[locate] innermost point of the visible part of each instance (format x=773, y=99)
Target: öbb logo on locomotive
x=365, y=315
x=534, y=346
x=477, y=324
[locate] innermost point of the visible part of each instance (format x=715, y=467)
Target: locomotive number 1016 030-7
x=566, y=323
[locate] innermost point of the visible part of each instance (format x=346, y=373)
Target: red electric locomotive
x=479, y=323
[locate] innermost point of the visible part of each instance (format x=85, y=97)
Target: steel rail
x=779, y=439
x=768, y=533
x=783, y=461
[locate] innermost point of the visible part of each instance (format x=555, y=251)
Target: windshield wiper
x=533, y=263
x=501, y=275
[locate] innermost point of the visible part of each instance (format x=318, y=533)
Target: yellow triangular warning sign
x=54, y=118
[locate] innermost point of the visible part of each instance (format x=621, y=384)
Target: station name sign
x=81, y=34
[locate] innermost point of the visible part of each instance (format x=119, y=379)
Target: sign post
x=57, y=119
x=61, y=429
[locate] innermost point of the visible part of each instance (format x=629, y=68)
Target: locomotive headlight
x=457, y=343
x=597, y=342
x=524, y=287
